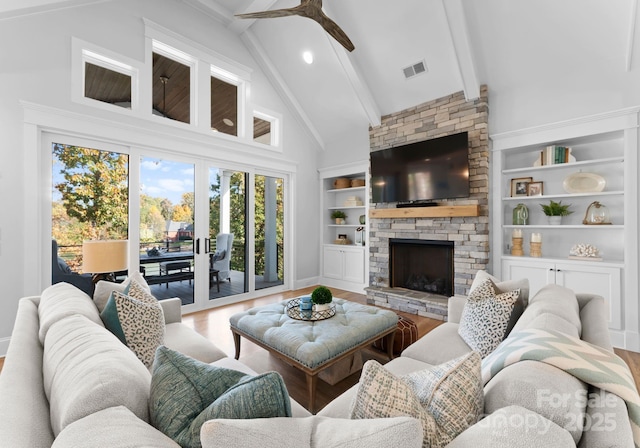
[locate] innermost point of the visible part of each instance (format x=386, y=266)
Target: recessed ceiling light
x=308, y=57
x=227, y=122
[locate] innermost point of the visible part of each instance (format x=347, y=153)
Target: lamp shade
x=102, y=256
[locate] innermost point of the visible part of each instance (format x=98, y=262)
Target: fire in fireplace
x=421, y=265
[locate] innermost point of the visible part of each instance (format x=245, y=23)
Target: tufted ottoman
x=312, y=346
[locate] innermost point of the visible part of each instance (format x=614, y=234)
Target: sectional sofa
x=67, y=381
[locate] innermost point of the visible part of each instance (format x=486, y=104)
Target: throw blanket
x=587, y=362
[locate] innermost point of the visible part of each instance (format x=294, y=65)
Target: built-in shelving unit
x=604, y=145
x=345, y=246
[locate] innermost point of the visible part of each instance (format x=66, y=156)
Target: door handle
x=207, y=245
x=197, y=245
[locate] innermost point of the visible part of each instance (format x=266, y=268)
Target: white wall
x=35, y=66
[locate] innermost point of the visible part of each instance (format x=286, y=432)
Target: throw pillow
x=485, y=317
x=137, y=323
x=103, y=289
x=446, y=399
x=185, y=393
x=506, y=286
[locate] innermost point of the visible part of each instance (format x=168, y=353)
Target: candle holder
x=536, y=245
x=536, y=249
x=516, y=246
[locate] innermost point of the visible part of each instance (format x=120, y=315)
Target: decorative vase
x=555, y=220
x=520, y=215
x=321, y=306
x=339, y=221
x=362, y=219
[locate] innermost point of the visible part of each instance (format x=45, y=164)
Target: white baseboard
x=626, y=340
x=305, y=282
x=4, y=346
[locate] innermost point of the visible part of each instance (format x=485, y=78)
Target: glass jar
x=596, y=214
x=520, y=215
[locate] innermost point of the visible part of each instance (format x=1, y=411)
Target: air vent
x=414, y=70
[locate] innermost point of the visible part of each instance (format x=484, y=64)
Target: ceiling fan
x=311, y=9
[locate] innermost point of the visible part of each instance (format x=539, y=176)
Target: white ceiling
x=464, y=43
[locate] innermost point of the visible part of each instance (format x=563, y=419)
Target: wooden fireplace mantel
x=440, y=211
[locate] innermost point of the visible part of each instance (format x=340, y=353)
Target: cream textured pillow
x=104, y=288
x=446, y=399
x=486, y=316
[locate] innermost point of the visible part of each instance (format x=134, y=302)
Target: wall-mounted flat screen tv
x=422, y=171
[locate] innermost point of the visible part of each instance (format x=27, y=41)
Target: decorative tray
x=584, y=183
x=294, y=312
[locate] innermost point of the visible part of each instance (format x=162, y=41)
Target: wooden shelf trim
x=441, y=211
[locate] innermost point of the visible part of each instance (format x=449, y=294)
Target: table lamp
x=103, y=258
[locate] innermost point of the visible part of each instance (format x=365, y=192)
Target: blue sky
x=166, y=179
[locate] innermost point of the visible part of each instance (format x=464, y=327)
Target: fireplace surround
x=469, y=235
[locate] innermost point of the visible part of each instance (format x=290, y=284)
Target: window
x=224, y=107
x=107, y=85
x=266, y=127
x=171, y=88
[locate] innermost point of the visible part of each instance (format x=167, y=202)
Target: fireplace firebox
x=421, y=265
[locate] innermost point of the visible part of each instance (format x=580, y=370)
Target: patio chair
x=222, y=255
x=61, y=272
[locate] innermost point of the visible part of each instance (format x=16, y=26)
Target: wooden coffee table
x=312, y=346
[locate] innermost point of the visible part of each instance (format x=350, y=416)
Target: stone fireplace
x=466, y=237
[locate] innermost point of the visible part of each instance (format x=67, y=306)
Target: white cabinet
x=602, y=147
x=344, y=263
x=345, y=189
x=581, y=277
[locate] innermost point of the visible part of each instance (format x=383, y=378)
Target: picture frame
x=342, y=236
x=535, y=189
x=519, y=186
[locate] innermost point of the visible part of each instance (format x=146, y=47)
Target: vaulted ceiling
x=462, y=44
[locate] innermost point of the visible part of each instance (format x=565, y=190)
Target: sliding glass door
x=202, y=231
x=166, y=227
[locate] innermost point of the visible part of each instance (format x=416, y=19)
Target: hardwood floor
x=214, y=325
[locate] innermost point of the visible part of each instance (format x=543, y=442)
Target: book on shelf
x=553, y=155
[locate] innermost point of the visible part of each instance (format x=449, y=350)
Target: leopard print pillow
x=485, y=317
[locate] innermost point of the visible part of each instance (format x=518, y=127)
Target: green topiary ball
x=321, y=295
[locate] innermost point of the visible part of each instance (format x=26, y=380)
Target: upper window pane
x=171, y=89
x=107, y=85
x=224, y=107
x=261, y=131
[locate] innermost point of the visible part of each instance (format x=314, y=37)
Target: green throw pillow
x=186, y=392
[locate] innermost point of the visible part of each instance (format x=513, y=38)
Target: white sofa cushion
x=312, y=431
x=115, y=427
x=87, y=369
x=61, y=300
x=513, y=427
x=553, y=299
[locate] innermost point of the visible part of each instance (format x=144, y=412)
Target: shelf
x=347, y=207
x=346, y=226
x=564, y=165
x=605, y=262
x=562, y=196
x=337, y=190
x=561, y=226
x=441, y=211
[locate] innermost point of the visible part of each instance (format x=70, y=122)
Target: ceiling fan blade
x=269, y=14
x=336, y=32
